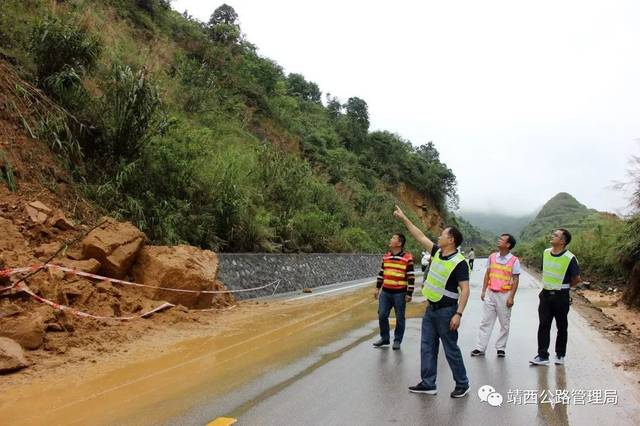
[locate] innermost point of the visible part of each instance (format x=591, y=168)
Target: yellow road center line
x=222, y=421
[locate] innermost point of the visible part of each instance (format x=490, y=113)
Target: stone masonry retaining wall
x=296, y=271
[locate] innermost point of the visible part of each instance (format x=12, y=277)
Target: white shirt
x=503, y=260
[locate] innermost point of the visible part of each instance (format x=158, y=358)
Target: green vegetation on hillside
x=189, y=133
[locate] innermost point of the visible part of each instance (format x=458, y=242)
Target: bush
x=153, y=6
x=313, y=231
x=63, y=46
x=358, y=240
x=198, y=84
x=531, y=253
x=64, y=53
x=130, y=113
x=186, y=189
x=6, y=172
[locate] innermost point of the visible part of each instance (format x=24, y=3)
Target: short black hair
x=401, y=237
x=510, y=239
x=456, y=234
x=566, y=235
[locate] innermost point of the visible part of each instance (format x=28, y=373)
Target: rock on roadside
x=11, y=356
x=181, y=267
x=115, y=245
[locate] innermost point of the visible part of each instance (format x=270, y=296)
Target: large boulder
x=60, y=221
x=28, y=330
x=181, y=267
x=38, y=212
x=115, y=245
x=11, y=356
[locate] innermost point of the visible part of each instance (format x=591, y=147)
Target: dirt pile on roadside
x=619, y=323
x=31, y=234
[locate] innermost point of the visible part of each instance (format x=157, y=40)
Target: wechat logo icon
x=489, y=395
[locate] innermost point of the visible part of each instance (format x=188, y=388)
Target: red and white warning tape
x=23, y=287
x=8, y=272
x=116, y=281
x=78, y=313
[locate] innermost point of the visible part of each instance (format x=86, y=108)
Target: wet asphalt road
x=351, y=383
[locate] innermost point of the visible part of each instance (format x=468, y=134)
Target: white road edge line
x=331, y=291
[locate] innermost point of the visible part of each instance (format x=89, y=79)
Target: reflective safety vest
x=554, y=269
x=501, y=276
x=434, y=286
x=395, y=270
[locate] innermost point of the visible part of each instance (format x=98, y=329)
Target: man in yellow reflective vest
x=560, y=272
x=446, y=289
x=498, y=293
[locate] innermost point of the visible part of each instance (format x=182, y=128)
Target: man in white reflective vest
x=446, y=288
x=498, y=294
x=560, y=272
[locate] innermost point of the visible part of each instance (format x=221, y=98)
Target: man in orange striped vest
x=498, y=293
x=394, y=289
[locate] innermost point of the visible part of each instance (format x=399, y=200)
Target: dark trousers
x=387, y=301
x=553, y=305
x=435, y=329
x=471, y=264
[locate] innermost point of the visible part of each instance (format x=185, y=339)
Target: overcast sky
x=522, y=99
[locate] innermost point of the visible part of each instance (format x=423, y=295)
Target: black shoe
x=380, y=343
x=396, y=345
x=420, y=388
x=460, y=392
x=501, y=354
x=477, y=352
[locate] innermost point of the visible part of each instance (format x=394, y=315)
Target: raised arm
x=416, y=233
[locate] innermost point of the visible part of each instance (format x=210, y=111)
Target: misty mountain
x=498, y=223
x=561, y=211
x=481, y=240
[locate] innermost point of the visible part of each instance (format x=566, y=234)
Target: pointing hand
x=399, y=213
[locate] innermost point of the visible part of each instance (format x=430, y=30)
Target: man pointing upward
x=446, y=289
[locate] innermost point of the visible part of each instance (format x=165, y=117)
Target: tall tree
x=307, y=90
x=334, y=107
x=224, y=14
x=223, y=26
x=358, y=113
x=354, y=125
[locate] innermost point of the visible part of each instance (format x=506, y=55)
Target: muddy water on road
x=161, y=387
